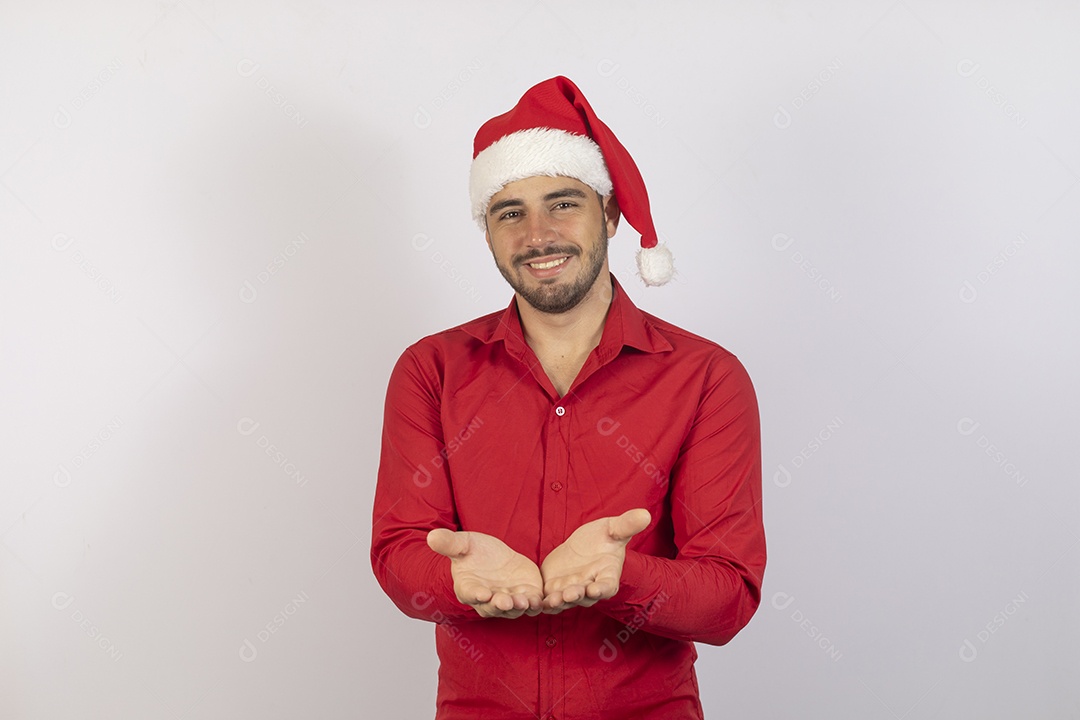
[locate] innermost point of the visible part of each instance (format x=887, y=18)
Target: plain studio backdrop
x=221, y=224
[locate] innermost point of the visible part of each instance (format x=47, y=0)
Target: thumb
x=629, y=524
x=449, y=543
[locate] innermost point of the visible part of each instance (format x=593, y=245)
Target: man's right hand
x=488, y=575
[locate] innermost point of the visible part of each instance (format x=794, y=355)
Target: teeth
x=546, y=265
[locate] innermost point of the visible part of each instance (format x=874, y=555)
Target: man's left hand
x=586, y=568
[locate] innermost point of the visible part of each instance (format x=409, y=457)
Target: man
x=569, y=488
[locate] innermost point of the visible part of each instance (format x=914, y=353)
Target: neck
x=575, y=331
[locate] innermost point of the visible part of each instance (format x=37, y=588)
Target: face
x=549, y=239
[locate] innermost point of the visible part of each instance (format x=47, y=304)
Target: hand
x=586, y=568
x=488, y=575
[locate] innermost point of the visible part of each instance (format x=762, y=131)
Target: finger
x=492, y=610
x=563, y=599
x=503, y=601
x=601, y=589
x=572, y=594
x=487, y=610
x=553, y=600
x=449, y=543
x=629, y=524
x=510, y=614
x=474, y=594
x=553, y=604
x=534, y=602
x=527, y=601
x=577, y=596
x=528, y=591
x=560, y=584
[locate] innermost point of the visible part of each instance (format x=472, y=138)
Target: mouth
x=543, y=264
x=547, y=267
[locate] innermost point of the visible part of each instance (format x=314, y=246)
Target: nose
x=540, y=229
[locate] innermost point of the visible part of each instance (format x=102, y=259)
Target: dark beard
x=555, y=298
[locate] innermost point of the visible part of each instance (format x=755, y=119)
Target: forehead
x=536, y=187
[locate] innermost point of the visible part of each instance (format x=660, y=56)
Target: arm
x=430, y=571
x=413, y=496
x=712, y=588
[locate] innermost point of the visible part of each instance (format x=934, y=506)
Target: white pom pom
x=656, y=265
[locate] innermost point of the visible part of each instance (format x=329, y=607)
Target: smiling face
x=549, y=239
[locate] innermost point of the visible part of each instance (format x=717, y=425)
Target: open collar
x=625, y=325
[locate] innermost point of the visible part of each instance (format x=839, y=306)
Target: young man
x=569, y=488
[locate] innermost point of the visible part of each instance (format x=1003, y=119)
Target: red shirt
x=476, y=437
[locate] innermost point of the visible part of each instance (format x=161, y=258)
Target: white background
x=222, y=222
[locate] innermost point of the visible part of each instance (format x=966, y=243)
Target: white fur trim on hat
x=656, y=265
x=535, y=151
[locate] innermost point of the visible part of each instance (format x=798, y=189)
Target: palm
x=492, y=567
x=586, y=568
x=488, y=574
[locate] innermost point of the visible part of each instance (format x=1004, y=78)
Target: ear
x=487, y=236
x=611, y=214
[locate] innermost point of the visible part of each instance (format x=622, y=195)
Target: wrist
x=633, y=580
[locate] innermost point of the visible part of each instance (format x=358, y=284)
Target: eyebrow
x=554, y=195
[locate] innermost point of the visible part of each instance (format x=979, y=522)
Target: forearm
x=413, y=497
x=700, y=599
x=417, y=579
x=708, y=589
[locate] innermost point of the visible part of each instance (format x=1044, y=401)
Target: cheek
x=501, y=250
x=506, y=241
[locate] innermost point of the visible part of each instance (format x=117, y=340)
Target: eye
x=565, y=204
x=509, y=215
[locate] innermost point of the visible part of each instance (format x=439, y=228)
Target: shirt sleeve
x=413, y=496
x=712, y=587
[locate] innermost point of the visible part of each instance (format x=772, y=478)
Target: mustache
x=546, y=252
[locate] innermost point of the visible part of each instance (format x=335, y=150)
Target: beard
x=554, y=296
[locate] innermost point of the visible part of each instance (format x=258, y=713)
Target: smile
x=548, y=264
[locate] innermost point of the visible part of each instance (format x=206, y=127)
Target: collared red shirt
x=476, y=437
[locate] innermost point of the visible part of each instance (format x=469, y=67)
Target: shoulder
x=429, y=354
x=476, y=331
x=684, y=343
x=716, y=364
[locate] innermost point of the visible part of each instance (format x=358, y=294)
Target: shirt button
x=556, y=486
x=551, y=641
x=560, y=411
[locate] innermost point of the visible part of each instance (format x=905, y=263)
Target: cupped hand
x=587, y=567
x=488, y=575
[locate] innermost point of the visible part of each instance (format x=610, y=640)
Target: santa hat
x=553, y=131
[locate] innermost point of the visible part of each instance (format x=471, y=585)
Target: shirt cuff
x=638, y=584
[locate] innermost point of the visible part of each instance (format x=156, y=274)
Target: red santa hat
x=553, y=131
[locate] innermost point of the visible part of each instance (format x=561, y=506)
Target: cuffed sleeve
x=412, y=497
x=712, y=587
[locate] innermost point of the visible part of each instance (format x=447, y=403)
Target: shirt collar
x=625, y=325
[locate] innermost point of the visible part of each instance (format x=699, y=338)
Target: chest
x=562, y=368
x=529, y=468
